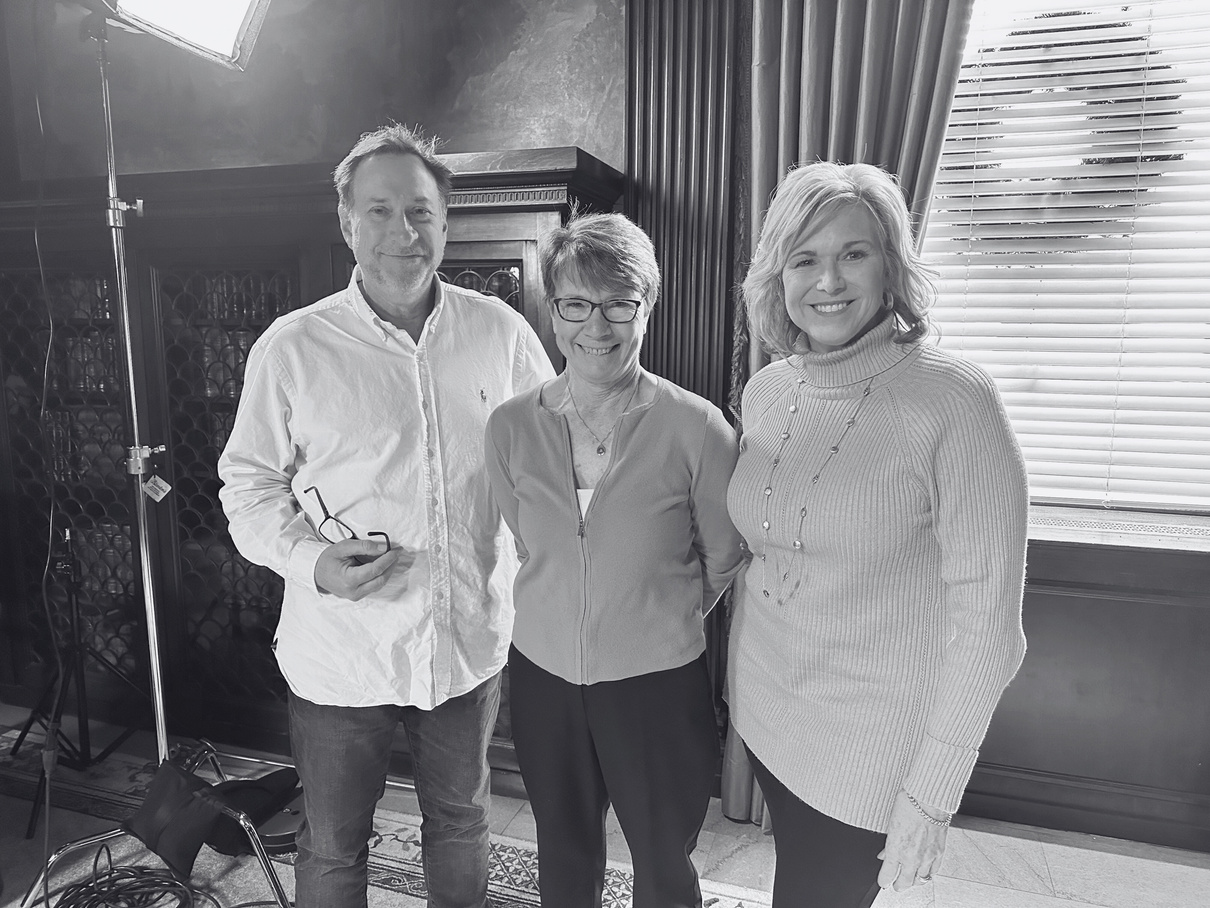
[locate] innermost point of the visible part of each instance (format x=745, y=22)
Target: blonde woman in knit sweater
x=883, y=499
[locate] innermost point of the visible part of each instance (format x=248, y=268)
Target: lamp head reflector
x=223, y=31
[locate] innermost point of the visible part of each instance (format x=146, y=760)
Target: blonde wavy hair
x=809, y=196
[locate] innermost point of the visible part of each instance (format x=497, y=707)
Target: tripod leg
x=52, y=741
x=36, y=808
x=83, y=748
x=35, y=712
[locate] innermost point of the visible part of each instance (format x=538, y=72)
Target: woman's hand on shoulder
x=915, y=842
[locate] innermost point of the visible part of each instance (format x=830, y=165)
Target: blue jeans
x=342, y=754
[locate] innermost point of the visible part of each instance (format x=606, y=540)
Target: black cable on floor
x=131, y=887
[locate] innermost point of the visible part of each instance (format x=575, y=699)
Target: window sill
x=1135, y=529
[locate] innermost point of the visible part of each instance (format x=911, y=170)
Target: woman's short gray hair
x=606, y=250
x=393, y=138
x=807, y=197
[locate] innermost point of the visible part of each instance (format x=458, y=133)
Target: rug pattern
x=112, y=789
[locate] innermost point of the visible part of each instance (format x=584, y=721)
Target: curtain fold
x=851, y=81
x=682, y=77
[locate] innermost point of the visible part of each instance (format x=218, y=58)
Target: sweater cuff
x=300, y=566
x=939, y=773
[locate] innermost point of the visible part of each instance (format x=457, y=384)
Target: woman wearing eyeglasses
x=613, y=482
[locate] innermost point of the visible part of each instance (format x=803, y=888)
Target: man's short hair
x=393, y=138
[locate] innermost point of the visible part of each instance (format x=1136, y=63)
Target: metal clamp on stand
x=138, y=459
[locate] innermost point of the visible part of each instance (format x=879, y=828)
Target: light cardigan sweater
x=882, y=669
x=622, y=592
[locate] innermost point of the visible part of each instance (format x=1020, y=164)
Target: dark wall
x=482, y=74
x=1106, y=728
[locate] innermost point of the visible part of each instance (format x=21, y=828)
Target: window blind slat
x=1071, y=236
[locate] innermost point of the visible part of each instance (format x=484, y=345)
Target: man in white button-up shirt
x=355, y=470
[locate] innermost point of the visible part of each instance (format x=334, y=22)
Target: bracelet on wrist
x=928, y=816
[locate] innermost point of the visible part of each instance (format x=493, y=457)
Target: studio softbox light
x=220, y=30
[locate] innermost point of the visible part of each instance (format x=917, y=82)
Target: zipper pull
x=581, y=532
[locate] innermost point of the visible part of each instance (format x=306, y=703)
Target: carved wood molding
x=536, y=197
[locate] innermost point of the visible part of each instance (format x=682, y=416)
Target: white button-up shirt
x=390, y=432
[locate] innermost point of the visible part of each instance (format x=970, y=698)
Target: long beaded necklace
x=833, y=449
x=601, y=441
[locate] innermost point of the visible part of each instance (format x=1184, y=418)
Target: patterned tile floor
x=988, y=864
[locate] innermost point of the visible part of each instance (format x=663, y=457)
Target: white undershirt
x=585, y=496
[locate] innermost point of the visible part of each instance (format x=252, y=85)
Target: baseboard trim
x=1095, y=806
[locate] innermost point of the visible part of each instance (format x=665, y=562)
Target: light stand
x=138, y=454
x=233, y=51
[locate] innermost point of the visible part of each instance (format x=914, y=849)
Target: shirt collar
x=384, y=328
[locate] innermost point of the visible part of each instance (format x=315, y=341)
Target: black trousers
x=647, y=744
x=821, y=862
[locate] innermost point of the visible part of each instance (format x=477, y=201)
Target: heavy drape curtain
x=680, y=183
x=852, y=81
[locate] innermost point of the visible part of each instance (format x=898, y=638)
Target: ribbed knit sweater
x=880, y=619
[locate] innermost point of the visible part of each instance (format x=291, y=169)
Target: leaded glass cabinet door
x=65, y=485
x=225, y=608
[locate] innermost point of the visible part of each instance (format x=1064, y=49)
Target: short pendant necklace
x=601, y=441
x=833, y=450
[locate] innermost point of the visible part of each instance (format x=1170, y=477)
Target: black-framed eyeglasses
x=574, y=309
x=333, y=529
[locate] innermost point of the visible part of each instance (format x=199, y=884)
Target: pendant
x=601, y=448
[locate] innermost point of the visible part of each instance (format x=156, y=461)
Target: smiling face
x=395, y=226
x=834, y=279
x=599, y=352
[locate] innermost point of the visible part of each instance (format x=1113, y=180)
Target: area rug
x=112, y=789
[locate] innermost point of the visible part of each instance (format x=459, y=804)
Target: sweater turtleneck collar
x=871, y=355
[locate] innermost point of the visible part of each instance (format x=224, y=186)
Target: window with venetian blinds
x=1071, y=228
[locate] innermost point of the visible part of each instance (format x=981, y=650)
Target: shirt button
x=434, y=502
x=797, y=544
x=437, y=548
x=765, y=524
x=440, y=595
x=785, y=435
x=768, y=490
x=793, y=408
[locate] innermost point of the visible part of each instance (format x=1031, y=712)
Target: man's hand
x=913, y=846
x=340, y=570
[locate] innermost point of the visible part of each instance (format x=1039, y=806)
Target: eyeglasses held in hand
x=333, y=529
x=574, y=309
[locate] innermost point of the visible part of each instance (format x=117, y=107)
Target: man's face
x=395, y=226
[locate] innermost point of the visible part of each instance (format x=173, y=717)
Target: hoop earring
x=888, y=300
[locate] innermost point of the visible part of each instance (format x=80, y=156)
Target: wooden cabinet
x=217, y=257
